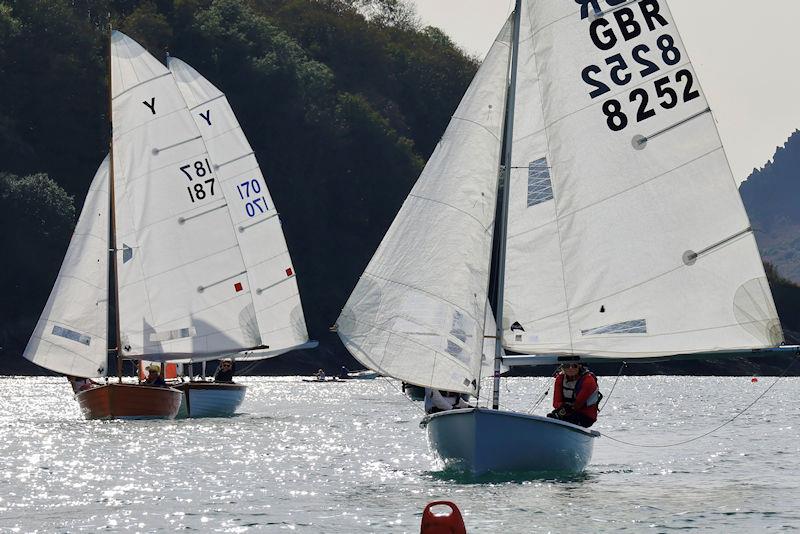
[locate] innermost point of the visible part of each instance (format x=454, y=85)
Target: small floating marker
x=754, y=380
x=451, y=523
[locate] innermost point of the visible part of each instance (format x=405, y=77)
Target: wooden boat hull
x=210, y=399
x=481, y=440
x=129, y=401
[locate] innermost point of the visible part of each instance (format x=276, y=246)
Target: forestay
x=417, y=312
x=270, y=275
x=627, y=235
x=183, y=285
x=70, y=337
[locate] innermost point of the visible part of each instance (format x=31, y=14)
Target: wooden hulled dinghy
x=129, y=401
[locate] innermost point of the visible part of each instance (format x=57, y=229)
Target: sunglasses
x=571, y=366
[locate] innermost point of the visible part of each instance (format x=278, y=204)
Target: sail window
x=458, y=336
x=638, y=326
x=174, y=334
x=540, y=189
x=71, y=334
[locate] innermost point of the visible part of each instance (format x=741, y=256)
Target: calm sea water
x=350, y=457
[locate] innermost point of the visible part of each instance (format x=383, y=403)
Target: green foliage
x=152, y=25
x=37, y=217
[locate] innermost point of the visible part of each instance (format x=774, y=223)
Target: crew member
x=575, y=395
x=154, y=377
x=440, y=401
x=224, y=372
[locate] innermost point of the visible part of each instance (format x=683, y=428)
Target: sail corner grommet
x=200, y=289
x=639, y=142
x=690, y=257
x=156, y=151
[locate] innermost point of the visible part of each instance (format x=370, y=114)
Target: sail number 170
x=199, y=172
x=249, y=191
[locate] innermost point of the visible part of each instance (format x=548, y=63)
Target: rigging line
x=624, y=364
x=543, y=395
x=726, y=423
x=387, y=380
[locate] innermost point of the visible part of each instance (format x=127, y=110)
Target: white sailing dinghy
x=620, y=233
x=274, y=316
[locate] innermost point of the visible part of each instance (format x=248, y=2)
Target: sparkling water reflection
x=351, y=457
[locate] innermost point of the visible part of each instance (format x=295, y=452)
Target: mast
x=113, y=288
x=503, y=211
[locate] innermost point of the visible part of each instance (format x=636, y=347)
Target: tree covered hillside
x=342, y=100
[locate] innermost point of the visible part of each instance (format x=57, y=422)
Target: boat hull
x=481, y=440
x=210, y=399
x=129, y=401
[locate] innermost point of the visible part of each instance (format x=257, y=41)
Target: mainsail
x=70, y=337
x=627, y=235
x=270, y=272
x=183, y=283
x=418, y=311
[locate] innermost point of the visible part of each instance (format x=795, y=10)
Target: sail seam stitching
x=485, y=229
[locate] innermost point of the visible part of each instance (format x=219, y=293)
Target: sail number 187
x=199, y=173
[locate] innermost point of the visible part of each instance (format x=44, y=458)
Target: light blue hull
x=209, y=399
x=481, y=440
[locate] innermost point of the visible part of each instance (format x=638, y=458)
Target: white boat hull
x=482, y=440
x=210, y=399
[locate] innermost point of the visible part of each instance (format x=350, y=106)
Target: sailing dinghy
x=274, y=316
x=620, y=231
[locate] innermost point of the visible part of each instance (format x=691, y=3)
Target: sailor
x=224, y=372
x=320, y=375
x=81, y=384
x=154, y=377
x=575, y=395
x=441, y=401
x=344, y=372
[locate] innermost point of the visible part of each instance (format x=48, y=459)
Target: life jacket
x=569, y=394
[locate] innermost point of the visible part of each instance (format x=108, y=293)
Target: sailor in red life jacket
x=575, y=395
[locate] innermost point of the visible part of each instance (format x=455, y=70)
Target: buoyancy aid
x=584, y=395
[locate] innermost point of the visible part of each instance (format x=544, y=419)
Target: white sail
x=183, y=284
x=417, y=313
x=627, y=235
x=270, y=272
x=70, y=336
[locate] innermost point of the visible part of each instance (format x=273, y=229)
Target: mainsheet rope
x=726, y=423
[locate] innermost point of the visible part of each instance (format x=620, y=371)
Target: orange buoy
x=754, y=380
x=451, y=523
